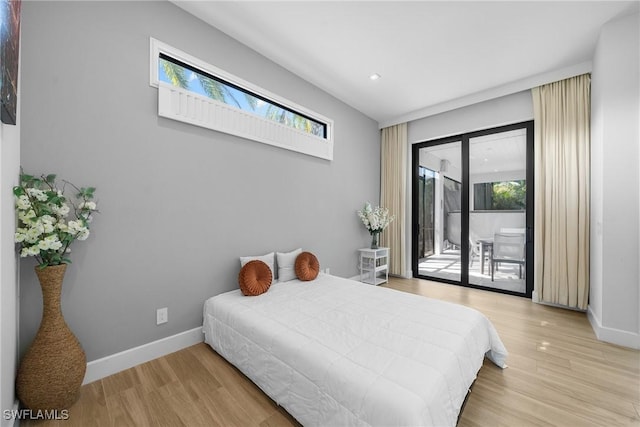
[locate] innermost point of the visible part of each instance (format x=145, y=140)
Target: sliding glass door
x=438, y=211
x=478, y=211
x=497, y=210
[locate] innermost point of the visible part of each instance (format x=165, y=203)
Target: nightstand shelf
x=374, y=265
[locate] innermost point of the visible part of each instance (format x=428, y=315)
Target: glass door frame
x=465, y=208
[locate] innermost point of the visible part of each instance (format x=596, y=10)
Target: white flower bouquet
x=43, y=229
x=376, y=220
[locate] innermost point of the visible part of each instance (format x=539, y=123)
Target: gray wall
x=614, y=301
x=514, y=108
x=179, y=204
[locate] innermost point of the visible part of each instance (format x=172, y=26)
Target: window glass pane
x=426, y=211
x=497, y=195
x=439, y=220
x=197, y=81
x=503, y=195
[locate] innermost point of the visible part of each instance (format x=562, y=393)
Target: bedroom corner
x=178, y=203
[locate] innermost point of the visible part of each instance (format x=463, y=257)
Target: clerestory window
x=201, y=94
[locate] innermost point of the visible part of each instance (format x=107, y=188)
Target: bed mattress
x=335, y=352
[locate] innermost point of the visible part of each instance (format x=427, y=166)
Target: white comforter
x=335, y=352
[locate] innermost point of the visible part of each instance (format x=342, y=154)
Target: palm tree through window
x=187, y=77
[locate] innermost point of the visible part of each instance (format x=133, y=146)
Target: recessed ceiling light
x=374, y=76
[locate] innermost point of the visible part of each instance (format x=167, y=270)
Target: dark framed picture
x=9, y=50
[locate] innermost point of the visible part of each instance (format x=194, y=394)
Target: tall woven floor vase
x=51, y=372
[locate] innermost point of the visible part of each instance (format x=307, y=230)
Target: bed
x=336, y=352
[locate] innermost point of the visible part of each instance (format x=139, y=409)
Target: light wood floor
x=558, y=375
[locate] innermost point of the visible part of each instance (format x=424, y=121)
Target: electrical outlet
x=162, y=315
x=327, y=271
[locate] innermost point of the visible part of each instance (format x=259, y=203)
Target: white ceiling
x=428, y=53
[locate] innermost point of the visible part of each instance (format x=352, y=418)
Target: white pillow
x=286, y=264
x=267, y=259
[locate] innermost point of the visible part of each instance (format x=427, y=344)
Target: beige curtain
x=562, y=173
x=393, y=189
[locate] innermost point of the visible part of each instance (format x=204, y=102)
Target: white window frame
x=189, y=107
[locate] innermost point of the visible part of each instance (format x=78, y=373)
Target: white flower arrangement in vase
x=376, y=220
x=52, y=369
x=43, y=230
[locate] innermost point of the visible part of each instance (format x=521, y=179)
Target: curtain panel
x=562, y=112
x=393, y=192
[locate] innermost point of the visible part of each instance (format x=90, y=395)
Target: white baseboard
x=535, y=297
x=407, y=275
x=612, y=335
x=109, y=365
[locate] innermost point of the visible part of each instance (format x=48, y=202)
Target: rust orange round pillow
x=307, y=266
x=254, y=278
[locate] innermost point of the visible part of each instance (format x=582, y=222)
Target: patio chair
x=474, y=251
x=508, y=248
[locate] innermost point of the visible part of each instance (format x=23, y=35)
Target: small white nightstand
x=374, y=265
